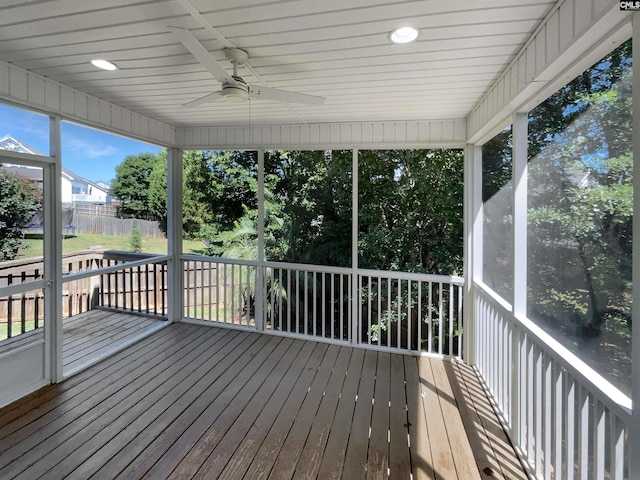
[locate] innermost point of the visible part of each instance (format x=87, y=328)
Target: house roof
x=333, y=48
x=15, y=145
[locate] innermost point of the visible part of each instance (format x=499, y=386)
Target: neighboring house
x=75, y=189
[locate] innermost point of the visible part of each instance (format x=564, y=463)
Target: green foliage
x=310, y=192
x=580, y=212
x=219, y=187
x=157, y=194
x=131, y=184
x=19, y=200
x=411, y=210
x=135, y=239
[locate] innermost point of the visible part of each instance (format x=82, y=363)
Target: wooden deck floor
x=201, y=402
x=90, y=336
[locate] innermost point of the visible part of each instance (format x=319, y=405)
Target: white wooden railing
x=409, y=312
x=138, y=286
x=566, y=421
x=220, y=290
x=309, y=300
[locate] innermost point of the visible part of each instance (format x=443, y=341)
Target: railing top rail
x=619, y=403
x=425, y=277
x=309, y=267
x=114, y=268
x=22, y=288
x=204, y=258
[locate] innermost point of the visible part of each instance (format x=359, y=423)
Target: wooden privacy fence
x=116, y=226
x=95, y=210
x=126, y=281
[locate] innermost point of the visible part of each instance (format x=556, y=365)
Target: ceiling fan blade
x=202, y=55
x=212, y=97
x=267, y=93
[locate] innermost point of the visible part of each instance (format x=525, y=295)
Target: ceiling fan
x=234, y=88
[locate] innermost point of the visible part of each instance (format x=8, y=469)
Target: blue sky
x=90, y=153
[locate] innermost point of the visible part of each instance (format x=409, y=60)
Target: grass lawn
x=32, y=244
x=16, y=327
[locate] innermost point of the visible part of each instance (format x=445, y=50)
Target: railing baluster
x=379, y=310
x=399, y=328
x=350, y=330
x=430, y=309
x=305, y=299
x=289, y=296
x=187, y=286
x=297, y=290
x=146, y=288
x=137, y=287
x=341, y=329
x=420, y=316
x=217, y=292
x=202, y=288
x=450, y=319
x=599, y=419
x=440, y=316
x=209, y=293
x=558, y=410
x=333, y=305
x=548, y=416
x=617, y=448
x=324, y=304
x=583, y=434
x=315, y=305
x=409, y=337
x=389, y=325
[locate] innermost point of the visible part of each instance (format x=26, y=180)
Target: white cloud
x=89, y=150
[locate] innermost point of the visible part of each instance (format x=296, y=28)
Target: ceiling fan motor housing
x=236, y=93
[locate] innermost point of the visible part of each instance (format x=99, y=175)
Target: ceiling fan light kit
x=238, y=93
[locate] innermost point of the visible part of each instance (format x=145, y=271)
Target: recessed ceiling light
x=104, y=64
x=403, y=35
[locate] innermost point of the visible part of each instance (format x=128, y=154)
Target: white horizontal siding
x=25, y=88
x=570, y=39
x=425, y=134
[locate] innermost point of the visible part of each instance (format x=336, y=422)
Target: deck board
x=334, y=455
x=203, y=402
x=90, y=336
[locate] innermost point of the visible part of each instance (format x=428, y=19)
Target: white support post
x=53, y=254
x=355, y=301
x=634, y=428
x=519, y=156
x=261, y=286
x=472, y=244
x=175, y=275
x=519, y=179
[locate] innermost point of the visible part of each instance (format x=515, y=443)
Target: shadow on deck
x=203, y=402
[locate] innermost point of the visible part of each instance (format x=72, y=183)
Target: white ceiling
x=333, y=48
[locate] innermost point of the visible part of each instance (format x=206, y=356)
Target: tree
x=581, y=206
x=157, y=195
x=411, y=210
x=312, y=190
x=135, y=239
x=19, y=200
x=131, y=184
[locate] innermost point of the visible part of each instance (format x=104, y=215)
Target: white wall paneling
x=426, y=134
x=576, y=29
x=24, y=88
